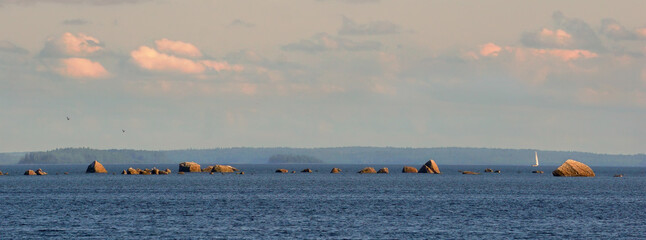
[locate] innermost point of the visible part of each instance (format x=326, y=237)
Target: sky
x=552, y=75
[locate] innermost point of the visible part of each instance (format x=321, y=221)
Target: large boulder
x=132, y=171
x=282, y=170
x=95, y=167
x=189, y=167
x=430, y=167
x=335, y=170
x=30, y=172
x=224, y=169
x=367, y=170
x=383, y=170
x=571, y=168
x=40, y=172
x=408, y=169
x=307, y=170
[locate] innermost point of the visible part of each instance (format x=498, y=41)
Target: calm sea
x=265, y=205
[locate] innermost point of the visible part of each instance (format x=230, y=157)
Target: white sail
x=536, y=156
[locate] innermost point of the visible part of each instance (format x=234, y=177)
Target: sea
x=262, y=204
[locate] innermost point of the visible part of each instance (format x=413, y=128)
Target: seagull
x=68, y=118
x=123, y=130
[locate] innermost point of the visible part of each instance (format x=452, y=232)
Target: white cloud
x=71, y=45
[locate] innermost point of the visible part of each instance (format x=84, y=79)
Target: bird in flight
x=123, y=130
x=68, y=118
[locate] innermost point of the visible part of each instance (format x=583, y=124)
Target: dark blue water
x=263, y=204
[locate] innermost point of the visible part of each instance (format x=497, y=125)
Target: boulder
x=335, y=170
x=1, y=173
x=207, y=169
x=571, y=168
x=282, y=170
x=538, y=171
x=189, y=167
x=132, y=171
x=40, y=172
x=488, y=170
x=470, y=173
x=155, y=171
x=367, y=170
x=307, y=170
x=167, y=171
x=95, y=167
x=124, y=172
x=30, y=172
x=408, y=169
x=429, y=167
x=383, y=170
x=224, y=169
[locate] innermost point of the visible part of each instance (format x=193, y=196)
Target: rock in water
x=367, y=170
x=307, y=170
x=224, y=169
x=30, y=172
x=619, y=175
x=571, y=168
x=95, y=167
x=496, y=171
x=1, y=173
x=488, y=170
x=124, y=172
x=470, y=173
x=383, y=170
x=408, y=169
x=537, y=171
x=208, y=169
x=132, y=171
x=335, y=170
x=189, y=167
x=430, y=167
x=40, y=172
x=282, y=170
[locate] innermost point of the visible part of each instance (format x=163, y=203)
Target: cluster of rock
x=37, y=172
x=489, y=170
x=194, y=167
x=153, y=171
x=571, y=168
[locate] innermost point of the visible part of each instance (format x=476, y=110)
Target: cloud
x=8, y=47
x=324, y=42
x=490, y=49
x=70, y=45
x=70, y=2
x=241, y=23
x=349, y=27
x=615, y=31
x=178, y=48
x=581, y=34
x=151, y=59
x=76, y=21
x=547, y=38
x=80, y=68
x=352, y=1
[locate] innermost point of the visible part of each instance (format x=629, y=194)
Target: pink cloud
x=151, y=59
x=558, y=37
x=81, y=68
x=178, y=48
x=68, y=44
x=565, y=54
x=490, y=49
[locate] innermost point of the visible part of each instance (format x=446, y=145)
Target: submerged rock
x=571, y=168
x=96, y=167
x=335, y=170
x=408, y=169
x=282, y=170
x=383, y=170
x=470, y=173
x=30, y=172
x=619, y=175
x=430, y=167
x=181, y=173
x=189, y=167
x=307, y=170
x=488, y=170
x=367, y=170
x=538, y=171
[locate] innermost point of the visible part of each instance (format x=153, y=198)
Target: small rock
x=335, y=170
x=282, y=170
x=189, y=167
x=538, y=171
x=40, y=172
x=241, y=173
x=383, y=170
x=30, y=172
x=619, y=175
x=496, y=171
x=224, y=169
x=408, y=169
x=307, y=170
x=488, y=170
x=367, y=170
x=182, y=173
x=470, y=173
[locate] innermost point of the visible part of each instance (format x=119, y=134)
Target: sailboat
x=536, y=156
